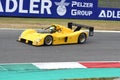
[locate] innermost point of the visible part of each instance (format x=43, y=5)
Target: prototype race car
x=57, y=34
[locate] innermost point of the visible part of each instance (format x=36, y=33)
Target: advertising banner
x=78, y=9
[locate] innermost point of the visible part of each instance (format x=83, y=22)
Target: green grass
x=94, y=79
x=109, y=3
x=9, y=22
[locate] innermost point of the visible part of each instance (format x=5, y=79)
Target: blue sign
x=108, y=14
x=78, y=9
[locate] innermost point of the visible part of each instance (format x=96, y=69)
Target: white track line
x=105, y=31
x=10, y=29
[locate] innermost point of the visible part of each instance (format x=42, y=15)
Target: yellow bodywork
x=34, y=37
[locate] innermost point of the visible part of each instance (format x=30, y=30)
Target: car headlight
x=37, y=41
x=20, y=35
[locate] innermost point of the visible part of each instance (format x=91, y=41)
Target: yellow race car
x=57, y=34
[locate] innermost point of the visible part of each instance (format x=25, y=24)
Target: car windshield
x=50, y=29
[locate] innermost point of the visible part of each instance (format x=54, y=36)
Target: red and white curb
x=64, y=65
x=59, y=65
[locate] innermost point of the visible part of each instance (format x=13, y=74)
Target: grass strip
x=10, y=22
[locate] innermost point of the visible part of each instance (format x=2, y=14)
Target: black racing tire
x=48, y=40
x=82, y=38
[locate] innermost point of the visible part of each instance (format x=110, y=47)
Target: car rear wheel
x=82, y=38
x=48, y=40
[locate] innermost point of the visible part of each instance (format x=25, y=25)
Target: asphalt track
x=101, y=47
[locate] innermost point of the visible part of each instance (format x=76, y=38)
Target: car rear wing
x=79, y=26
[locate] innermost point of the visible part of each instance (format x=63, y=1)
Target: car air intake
x=30, y=42
x=23, y=40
